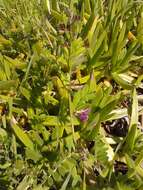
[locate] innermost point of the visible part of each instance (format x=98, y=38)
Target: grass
x=71, y=86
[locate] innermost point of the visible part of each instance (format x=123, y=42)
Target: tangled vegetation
x=71, y=95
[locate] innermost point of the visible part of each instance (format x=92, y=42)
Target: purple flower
x=83, y=114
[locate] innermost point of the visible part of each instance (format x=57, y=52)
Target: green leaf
x=14, y=63
x=3, y=134
x=32, y=60
x=33, y=155
x=77, y=53
x=5, y=166
x=60, y=87
x=23, y=137
x=131, y=137
x=4, y=41
x=99, y=42
x=64, y=186
x=25, y=183
x=26, y=93
x=124, y=84
x=48, y=6
x=88, y=25
x=92, y=29
x=117, y=114
x=118, y=46
x=84, y=95
x=104, y=155
x=87, y=6
x=121, y=186
x=7, y=70
x=107, y=109
x=51, y=121
x=128, y=55
x=8, y=85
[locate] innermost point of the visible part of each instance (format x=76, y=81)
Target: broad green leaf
x=104, y=172
x=60, y=87
x=36, y=137
x=118, y=113
x=51, y=121
x=7, y=85
x=54, y=121
x=33, y=155
x=124, y=84
x=4, y=41
x=23, y=137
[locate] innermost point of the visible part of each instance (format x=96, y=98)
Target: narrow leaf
x=23, y=137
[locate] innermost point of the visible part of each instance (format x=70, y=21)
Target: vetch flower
x=83, y=114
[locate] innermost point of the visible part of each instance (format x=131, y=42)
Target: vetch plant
x=71, y=86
